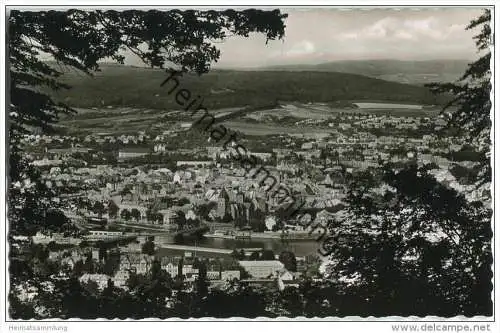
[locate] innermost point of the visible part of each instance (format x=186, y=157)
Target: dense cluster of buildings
x=139, y=180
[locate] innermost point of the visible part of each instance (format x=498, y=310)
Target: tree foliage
x=148, y=248
x=125, y=214
x=113, y=209
x=267, y=255
x=406, y=237
x=254, y=256
x=135, y=214
x=289, y=260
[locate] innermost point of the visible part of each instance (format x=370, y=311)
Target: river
x=300, y=248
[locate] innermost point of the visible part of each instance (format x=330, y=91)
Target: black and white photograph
x=281, y=163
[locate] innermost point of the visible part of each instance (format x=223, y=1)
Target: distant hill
x=412, y=72
x=140, y=87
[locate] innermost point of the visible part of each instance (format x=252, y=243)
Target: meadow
x=123, y=99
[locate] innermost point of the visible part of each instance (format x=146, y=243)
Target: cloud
x=390, y=28
x=424, y=25
x=403, y=35
x=321, y=35
x=301, y=48
x=382, y=28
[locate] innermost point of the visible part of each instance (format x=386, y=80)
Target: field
x=120, y=120
x=382, y=106
x=273, y=120
x=124, y=99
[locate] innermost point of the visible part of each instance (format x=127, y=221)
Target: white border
x=371, y=324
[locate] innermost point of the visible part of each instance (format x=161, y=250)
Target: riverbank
x=195, y=248
x=289, y=236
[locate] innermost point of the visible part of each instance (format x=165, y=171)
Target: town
x=173, y=199
x=307, y=163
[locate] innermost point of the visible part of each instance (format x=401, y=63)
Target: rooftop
x=260, y=263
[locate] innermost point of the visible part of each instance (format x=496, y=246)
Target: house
x=46, y=162
x=121, y=277
x=309, y=154
x=263, y=156
x=195, y=163
x=129, y=153
x=95, y=254
x=287, y=279
x=143, y=265
x=262, y=269
x=69, y=262
x=307, y=145
x=159, y=148
x=327, y=181
x=222, y=203
x=168, y=216
x=213, y=275
x=100, y=279
x=132, y=208
x=170, y=266
x=281, y=153
x=177, y=178
x=230, y=275
x=190, y=272
x=191, y=215
x=125, y=263
x=96, y=235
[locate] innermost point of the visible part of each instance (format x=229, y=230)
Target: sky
x=321, y=35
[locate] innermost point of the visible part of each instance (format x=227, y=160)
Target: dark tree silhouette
x=135, y=214
x=402, y=245
x=289, y=260
x=112, y=209
x=180, y=220
x=125, y=214
x=254, y=256
x=267, y=255
x=238, y=255
x=201, y=280
x=55, y=220
x=103, y=253
x=148, y=248
x=99, y=208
